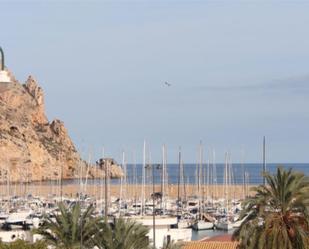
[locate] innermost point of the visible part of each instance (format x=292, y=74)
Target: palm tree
x=71, y=229
x=123, y=234
x=277, y=216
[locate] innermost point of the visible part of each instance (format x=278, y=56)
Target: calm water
x=198, y=235
x=216, y=173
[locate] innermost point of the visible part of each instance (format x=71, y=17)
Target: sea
x=211, y=173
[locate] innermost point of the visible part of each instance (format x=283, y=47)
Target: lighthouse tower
x=4, y=76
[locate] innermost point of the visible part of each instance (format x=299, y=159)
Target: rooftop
x=211, y=245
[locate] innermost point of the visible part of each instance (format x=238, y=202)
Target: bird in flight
x=167, y=84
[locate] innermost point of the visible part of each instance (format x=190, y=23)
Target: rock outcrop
x=31, y=147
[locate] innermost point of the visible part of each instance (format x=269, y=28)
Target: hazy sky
x=239, y=70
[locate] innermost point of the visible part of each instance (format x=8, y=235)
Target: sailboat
x=184, y=218
x=160, y=226
x=204, y=222
x=224, y=222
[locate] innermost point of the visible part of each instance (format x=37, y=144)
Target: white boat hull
x=183, y=224
x=203, y=225
x=224, y=226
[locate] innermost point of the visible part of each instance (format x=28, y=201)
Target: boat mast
x=208, y=177
x=182, y=186
x=178, y=186
x=214, y=175
x=200, y=177
x=61, y=184
x=79, y=180
x=166, y=175
x=8, y=181
x=264, y=159
x=164, y=178
x=121, y=182
x=107, y=189
x=9, y=185
x=125, y=180
x=203, y=188
x=101, y=181
x=243, y=174
x=134, y=178
x=143, y=179
x=153, y=202
x=229, y=180
x=247, y=182
x=87, y=173
x=230, y=174
x=225, y=180
x=184, y=183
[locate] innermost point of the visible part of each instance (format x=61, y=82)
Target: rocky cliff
x=31, y=147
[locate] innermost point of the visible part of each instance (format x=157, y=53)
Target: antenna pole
x=2, y=59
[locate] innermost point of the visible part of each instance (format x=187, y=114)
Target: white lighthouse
x=4, y=76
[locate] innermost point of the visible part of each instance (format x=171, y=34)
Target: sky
x=238, y=71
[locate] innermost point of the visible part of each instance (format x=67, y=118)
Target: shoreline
x=129, y=190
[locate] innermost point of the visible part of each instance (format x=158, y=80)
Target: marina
x=169, y=209
x=179, y=202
